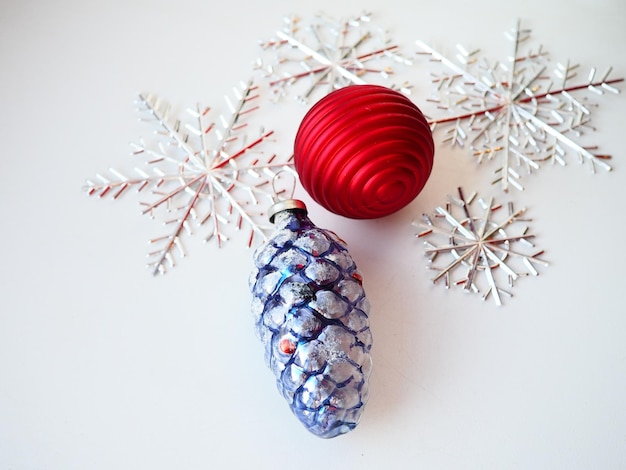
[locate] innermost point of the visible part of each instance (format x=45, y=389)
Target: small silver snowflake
x=198, y=175
x=516, y=111
x=327, y=54
x=481, y=251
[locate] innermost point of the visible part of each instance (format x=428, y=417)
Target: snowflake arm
x=327, y=65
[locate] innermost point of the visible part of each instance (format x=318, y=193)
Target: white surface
x=104, y=367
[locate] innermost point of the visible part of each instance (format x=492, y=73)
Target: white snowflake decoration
x=516, y=111
x=328, y=54
x=198, y=175
x=487, y=251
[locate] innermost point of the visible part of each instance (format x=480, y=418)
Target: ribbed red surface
x=364, y=151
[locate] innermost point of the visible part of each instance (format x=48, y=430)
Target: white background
x=103, y=366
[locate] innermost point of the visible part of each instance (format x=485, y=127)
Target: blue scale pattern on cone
x=311, y=313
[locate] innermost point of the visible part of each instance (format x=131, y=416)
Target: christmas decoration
x=515, y=111
x=478, y=246
x=327, y=54
x=311, y=313
x=364, y=151
x=198, y=175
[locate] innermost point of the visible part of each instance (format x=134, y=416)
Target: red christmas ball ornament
x=364, y=151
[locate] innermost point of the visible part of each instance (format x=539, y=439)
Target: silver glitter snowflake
x=198, y=175
x=516, y=111
x=481, y=251
x=328, y=54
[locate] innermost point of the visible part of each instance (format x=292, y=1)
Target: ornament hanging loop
x=282, y=185
x=279, y=204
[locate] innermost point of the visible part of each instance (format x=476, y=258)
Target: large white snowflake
x=325, y=54
x=198, y=175
x=516, y=111
x=482, y=251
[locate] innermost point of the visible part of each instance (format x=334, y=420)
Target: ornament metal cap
x=285, y=205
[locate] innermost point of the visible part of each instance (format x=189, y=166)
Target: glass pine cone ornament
x=311, y=313
x=364, y=151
